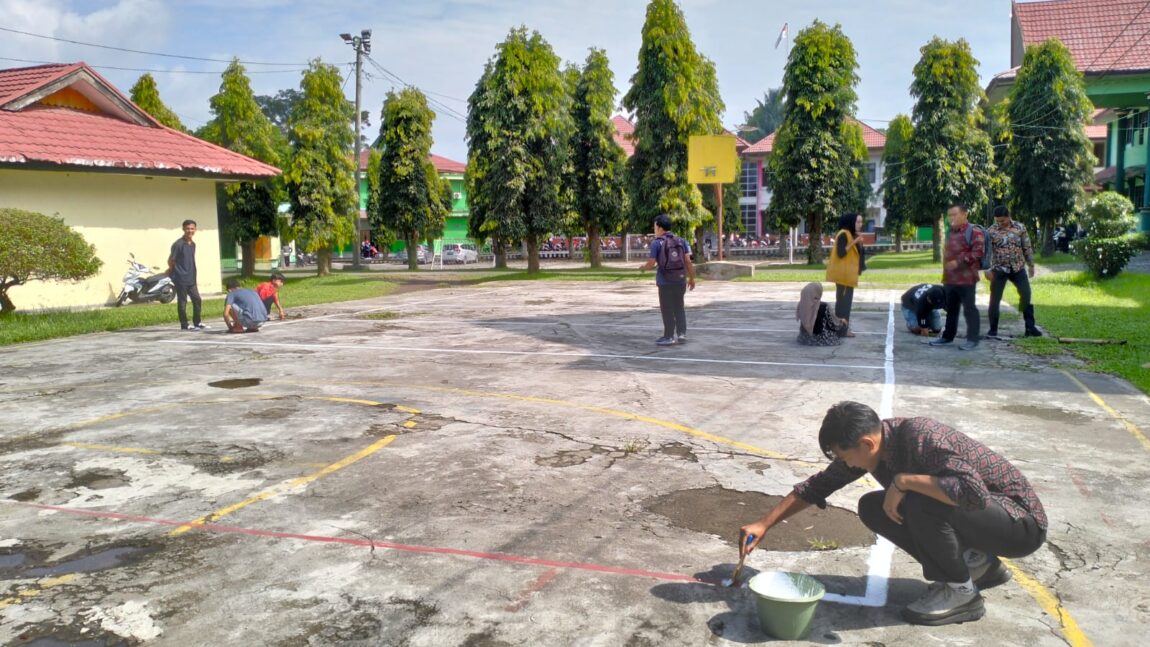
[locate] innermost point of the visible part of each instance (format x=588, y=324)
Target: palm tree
x=766, y=117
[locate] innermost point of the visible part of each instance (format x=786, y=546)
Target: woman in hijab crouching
x=817, y=324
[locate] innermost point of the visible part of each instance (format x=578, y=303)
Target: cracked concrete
x=513, y=481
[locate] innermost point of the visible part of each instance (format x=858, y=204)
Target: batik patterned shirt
x=1012, y=249
x=970, y=473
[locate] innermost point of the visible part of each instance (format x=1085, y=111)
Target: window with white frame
x=871, y=172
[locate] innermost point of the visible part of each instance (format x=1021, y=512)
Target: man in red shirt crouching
x=269, y=293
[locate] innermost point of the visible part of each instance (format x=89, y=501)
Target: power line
x=1115, y=40
x=444, y=108
x=137, y=51
x=143, y=69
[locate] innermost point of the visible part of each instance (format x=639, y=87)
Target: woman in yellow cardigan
x=844, y=265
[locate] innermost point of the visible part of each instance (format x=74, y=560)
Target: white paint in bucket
x=787, y=587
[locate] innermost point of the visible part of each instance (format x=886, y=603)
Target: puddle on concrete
x=1053, y=414
x=31, y=494
x=485, y=639
x=99, y=479
x=272, y=413
x=719, y=511
x=60, y=642
x=12, y=560
x=678, y=450
x=236, y=383
x=97, y=561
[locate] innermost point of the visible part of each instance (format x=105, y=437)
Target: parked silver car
x=421, y=255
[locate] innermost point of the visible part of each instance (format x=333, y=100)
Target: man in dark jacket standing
x=182, y=269
x=961, y=262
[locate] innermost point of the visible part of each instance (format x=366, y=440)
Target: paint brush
x=733, y=580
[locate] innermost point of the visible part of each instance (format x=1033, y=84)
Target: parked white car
x=456, y=253
x=421, y=255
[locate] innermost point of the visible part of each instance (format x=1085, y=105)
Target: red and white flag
x=782, y=36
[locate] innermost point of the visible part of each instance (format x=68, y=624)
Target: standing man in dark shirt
x=182, y=269
x=675, y=274
x=1013, y=261
x=949, y=501
x=961, y=262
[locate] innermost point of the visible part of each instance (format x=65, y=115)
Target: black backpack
x=672, y=258
x=987, y=248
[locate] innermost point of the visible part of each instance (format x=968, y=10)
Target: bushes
x=1108, y=246
x=1105, y=257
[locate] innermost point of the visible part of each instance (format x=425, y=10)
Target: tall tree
x=410, y=196
x=146, y=95
x=950, y=158
x=239, y=125
x=815, y=157
x=278, y=108
x=320, y=174
x=895, y=200
x=767, y=115
x=483, y=220
x=1049, y=158
x=599, y=163
x=519, y=128
x=674, y=94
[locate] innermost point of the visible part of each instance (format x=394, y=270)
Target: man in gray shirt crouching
x=243, y=309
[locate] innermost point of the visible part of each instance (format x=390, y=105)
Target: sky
x=440, y=46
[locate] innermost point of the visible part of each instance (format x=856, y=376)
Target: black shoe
x=991, y=574
x=993, y=334
x=665, y=341
x=1033, y=332
x=941, y=341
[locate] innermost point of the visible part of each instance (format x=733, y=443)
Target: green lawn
x=26, y=327
x=1071, y=304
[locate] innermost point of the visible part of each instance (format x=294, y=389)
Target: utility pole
x=362, y=45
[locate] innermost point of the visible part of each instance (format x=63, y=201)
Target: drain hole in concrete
x=719, y=511
x=237, y=383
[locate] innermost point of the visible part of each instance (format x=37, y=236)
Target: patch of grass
x=632, y=447
x=1072, y=304
x=22, y=327
x=574, y=274
x=387, y=314
x=818, y=543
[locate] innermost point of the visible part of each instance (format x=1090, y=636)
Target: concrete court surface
x=474, y=467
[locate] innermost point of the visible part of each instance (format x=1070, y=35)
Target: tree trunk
x=6, y=304
x=532, y=241
x=248, y=249
x=898, y=240
x=570, y=247
x=593, y=243
x=323, y=261
x=700, y=252
x=936, y=240
x=500, y=251
x=412, y=251
x=814, y=239
x=1046, y=235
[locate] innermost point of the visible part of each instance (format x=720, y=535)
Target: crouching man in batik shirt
x=949, y=501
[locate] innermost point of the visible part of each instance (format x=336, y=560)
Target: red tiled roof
x=1096, y=130
x=624, y=134
x=441, y=163
x=444, y=165
x=1102, y=35
x=119, y=136
x=871, y=137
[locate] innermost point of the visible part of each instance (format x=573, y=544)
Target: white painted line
x=469, y=351
x=878, y=564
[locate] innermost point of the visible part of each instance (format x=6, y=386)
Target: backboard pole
x=719, y=216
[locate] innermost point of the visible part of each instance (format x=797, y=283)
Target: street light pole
x=362, y=45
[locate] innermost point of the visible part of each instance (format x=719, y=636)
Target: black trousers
x=998, y=286
x=935, y=534
x=183, y=293
x=961, y=296
x=844, y=299
x=672, y=308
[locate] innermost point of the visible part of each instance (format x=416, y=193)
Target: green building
x=453, y=172
x=1107, y=39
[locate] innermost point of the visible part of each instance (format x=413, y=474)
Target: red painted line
x=409, y=548
x=536, y=586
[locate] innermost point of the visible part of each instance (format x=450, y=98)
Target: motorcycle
x=141, y=288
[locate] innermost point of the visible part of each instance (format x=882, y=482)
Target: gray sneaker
x=941, y=341
x=665, y=341
x=944, y=605
x=968, y=345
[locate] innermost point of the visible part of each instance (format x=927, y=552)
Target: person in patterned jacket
x=949, y=501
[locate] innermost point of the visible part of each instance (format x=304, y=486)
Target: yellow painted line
x=1050, y=605
x=1130, y=426
x=370, y=403
x=406, y=409
x=285, y=487
x=698, y=433
x=409, y=424
x=112, y=448
x=41, y=586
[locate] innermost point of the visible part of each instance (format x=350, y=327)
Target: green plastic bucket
x=786, y=602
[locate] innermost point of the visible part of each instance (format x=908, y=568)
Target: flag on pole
x=782, y=36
